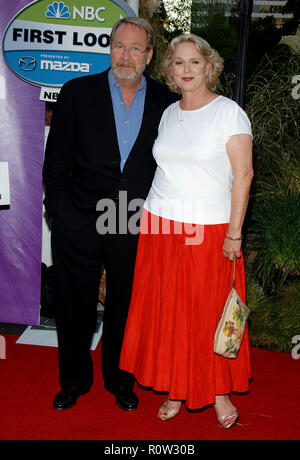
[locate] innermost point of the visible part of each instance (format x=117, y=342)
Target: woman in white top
x=191, y=231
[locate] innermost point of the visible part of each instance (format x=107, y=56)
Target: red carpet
x=29, y=381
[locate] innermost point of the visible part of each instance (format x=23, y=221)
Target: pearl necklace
x=180, y=114
x=180, y=111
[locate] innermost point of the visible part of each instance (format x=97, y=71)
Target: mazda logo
x=27, y=63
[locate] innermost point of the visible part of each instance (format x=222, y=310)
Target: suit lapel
x=104, y=107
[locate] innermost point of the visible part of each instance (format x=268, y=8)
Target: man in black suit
x=100, y=148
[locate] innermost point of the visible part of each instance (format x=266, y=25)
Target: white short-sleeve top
x=193, y=179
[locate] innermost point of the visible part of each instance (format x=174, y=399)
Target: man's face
x=129, y=55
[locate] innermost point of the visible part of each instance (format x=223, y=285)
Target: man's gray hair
x=139, y=22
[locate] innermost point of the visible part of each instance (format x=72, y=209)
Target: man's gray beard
x=133, y=76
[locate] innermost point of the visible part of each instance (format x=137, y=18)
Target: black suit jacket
x=82, y=158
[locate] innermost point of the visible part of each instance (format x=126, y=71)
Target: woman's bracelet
x=234, y=239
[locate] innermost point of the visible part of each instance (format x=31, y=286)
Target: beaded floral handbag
x=231, y=327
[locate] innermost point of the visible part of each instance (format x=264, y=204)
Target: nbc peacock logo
x=47, y=42
x=58, y=10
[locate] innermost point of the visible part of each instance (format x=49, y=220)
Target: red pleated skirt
x=181, y=284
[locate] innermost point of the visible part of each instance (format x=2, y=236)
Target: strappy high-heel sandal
x=228, y=419
x=166, y=412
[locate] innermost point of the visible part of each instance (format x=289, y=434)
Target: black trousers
x=78, y=256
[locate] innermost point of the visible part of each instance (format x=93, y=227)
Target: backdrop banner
x=44, y=43
x=22, y=119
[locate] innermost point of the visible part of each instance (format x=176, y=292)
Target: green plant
x=155, y=14
x=272, y=243
x=273, y=240
x=273, y=111
x=274, y=320
x=274, y=237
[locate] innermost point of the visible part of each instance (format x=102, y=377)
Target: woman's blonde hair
x=211, y=56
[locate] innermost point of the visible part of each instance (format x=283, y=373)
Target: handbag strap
x=233, y=276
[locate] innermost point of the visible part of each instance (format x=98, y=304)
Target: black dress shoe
x=126, y=399
x=67, y=398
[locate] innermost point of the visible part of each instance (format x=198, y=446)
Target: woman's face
x=189, y=68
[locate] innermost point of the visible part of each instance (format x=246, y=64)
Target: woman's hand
x=232, y=248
